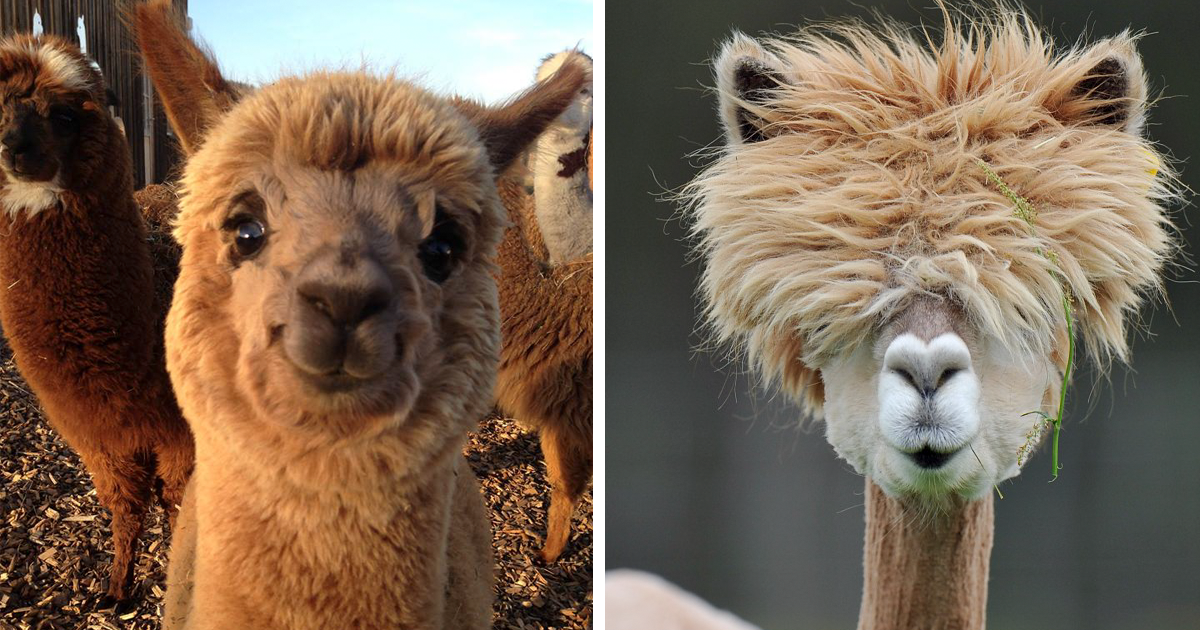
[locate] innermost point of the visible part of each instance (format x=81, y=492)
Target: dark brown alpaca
x=545, y=377
x=77, y=297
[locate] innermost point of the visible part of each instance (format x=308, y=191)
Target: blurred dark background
x=719, y=487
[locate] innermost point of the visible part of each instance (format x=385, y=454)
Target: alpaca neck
x=376, y=526
x=562, y=197
x=925, y=571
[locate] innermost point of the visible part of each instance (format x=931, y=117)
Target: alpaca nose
x=929, y=398
x=16, y=145
x=345, y=305
x=343, y=320
x=927, y=367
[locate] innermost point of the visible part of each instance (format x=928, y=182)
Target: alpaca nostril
x=318, y=304
x=907, y=376
x=946, y=375
x=377, y=302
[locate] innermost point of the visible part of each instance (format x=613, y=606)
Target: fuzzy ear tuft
x=508, y=129
x=746, y=77
x=1112, y=93
x=194, y=92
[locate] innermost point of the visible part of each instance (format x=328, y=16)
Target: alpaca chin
x=19, y=196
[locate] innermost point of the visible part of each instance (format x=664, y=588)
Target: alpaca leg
x=123, y=485
x=175, y=460
x=568, y=467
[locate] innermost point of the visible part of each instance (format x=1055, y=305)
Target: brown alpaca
x=78, y=303
x=545, y=377
x=901, y=234
x=333, y=336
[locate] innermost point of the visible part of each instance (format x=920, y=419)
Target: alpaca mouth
x=336, y=382
x=930, y=459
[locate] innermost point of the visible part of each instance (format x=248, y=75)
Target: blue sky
x=483, y=49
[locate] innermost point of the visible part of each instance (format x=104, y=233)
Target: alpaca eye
x=63, y=120
x=441, y=249
x=437, y=256
x=249, y=236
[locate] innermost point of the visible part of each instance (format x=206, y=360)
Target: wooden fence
x=154, y=149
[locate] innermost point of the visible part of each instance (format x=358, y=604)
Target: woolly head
x=53, y=122
x=345, y=224
x=856, y=251
x=337, y=229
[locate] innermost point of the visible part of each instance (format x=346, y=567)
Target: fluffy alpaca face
x=51, y=108
x=929, y=409
x=858, y=253
x=336, y=233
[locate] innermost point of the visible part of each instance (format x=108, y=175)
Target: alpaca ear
x=187, y=79
x=747, y=76
x=508, y=129
x=1111, y=93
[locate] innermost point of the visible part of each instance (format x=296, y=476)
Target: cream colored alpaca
x=562, y=188
x=333, y=335
x=857, y=253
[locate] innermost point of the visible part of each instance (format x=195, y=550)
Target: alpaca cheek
x=1013, y=390
x=851, y=424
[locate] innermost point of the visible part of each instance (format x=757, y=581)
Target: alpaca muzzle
x=342, y=325
x=23, y=152
x=929, y=398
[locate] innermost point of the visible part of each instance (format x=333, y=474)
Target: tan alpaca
x=333, y=335
x=857, y=253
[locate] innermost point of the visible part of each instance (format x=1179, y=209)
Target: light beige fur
x=334, y=496
x=857, y=253
x=868, y=193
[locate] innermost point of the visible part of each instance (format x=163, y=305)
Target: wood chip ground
x=55, y=547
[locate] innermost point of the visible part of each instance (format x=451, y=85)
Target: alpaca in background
x=560, y=161
x=78, y=303
x=545, y=378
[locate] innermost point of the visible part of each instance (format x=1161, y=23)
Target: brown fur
x=80, y=310
x=311, y=510
x=171, y=58
x=545, y=377
x=925, y=573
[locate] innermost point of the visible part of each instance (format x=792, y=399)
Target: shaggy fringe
x=867, y=192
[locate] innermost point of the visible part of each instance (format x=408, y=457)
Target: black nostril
x=17, y=144
x=929, y=459
x=377, y=302
x=909, y=377
x=318, y=304
x=946, y=375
